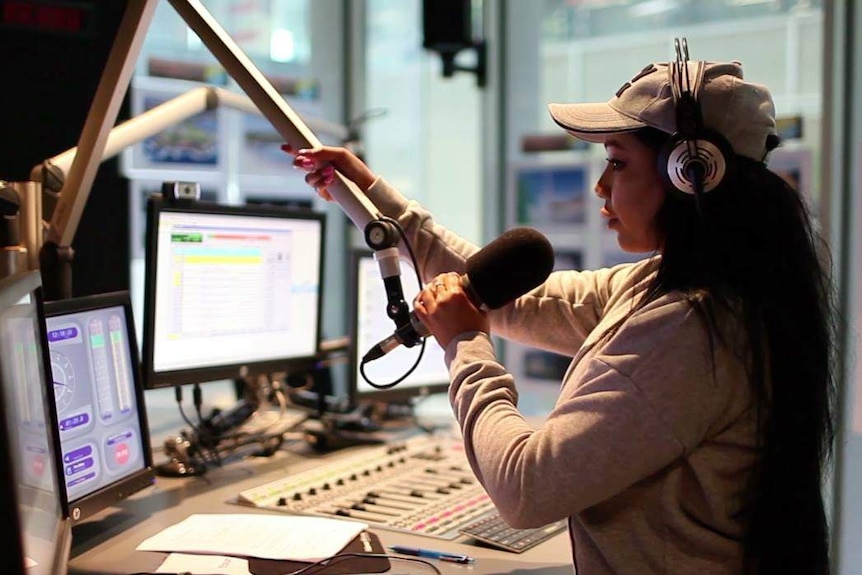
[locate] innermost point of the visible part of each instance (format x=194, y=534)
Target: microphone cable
x=415, y=264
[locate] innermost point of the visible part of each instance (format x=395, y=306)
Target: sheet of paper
x=209, y=564
x=301, y=538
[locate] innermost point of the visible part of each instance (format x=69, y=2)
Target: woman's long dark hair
x=754, y=248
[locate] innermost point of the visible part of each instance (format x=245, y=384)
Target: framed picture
x=568, y=259
x=549, y=196
x=789, y=127
x=538, y=376
x=260, y=152
x=195, y=145
x=794, y=165
x=262, y=163
x=545, y=365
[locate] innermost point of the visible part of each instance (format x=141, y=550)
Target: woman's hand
x=445, y=309
x=321, y=164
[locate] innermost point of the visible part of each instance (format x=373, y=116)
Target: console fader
x=422, y=486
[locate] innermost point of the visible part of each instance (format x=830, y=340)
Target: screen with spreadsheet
x=230, y=290
x=371, y=324
x=99, y=401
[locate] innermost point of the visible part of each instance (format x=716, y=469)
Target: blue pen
x=429, y=554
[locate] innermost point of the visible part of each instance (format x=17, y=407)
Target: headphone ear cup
x=710, y=160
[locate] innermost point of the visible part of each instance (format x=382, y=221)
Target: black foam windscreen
x=509, y=266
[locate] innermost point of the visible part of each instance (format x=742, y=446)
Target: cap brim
x=592, y=122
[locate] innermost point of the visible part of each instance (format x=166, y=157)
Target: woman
x=695, y=422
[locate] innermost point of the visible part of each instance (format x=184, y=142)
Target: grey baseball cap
x=741, y=111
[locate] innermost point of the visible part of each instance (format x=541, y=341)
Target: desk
x=106, y=543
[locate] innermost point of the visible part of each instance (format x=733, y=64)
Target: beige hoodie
x=649, y=446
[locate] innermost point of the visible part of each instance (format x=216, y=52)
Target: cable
x=415, y=265
x=319, y=566
x=199, y=438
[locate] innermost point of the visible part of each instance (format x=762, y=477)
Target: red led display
x=64, y=18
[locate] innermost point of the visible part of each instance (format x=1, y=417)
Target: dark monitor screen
x=99, y=399
x=370, y=324
x=230, y=290
x=33, y=503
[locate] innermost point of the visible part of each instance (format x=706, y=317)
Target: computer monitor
x=231, y=291
x=370, y=324
x=32, y=502
x=99, y=401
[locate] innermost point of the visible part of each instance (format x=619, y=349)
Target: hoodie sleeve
x=627, y=409
x=557, y=315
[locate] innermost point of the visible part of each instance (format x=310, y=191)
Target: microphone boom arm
x=96, y=142
x=380, y=234
x=285, y=121
x=52, y=172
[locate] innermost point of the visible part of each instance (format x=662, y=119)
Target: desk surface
x=106, y=544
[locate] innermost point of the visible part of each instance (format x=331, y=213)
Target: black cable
x=415, y=265
x=205, y=443
x=319, y=566
x=198, y=400
x=204, y=450
x=178, y=394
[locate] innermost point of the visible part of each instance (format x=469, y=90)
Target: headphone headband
x=694, y=160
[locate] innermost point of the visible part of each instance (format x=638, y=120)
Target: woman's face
x=633, y=192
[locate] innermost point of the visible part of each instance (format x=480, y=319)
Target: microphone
x=508, y=267
x=388, y=261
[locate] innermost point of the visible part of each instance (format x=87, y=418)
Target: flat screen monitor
x=32, y=502
x=99, y=401
x=231, y=291
x=370, y=324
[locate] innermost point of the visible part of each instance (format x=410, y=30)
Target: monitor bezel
x=153, y=379
x=12, y=548
x=396, y=394
x=14, y=288
x=85, y=506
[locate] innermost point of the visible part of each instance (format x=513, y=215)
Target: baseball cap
x=743, y=112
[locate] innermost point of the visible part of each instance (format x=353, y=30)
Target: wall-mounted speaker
x=446, y=25
x=447, y=28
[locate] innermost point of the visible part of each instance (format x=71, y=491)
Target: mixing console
x=423, y=486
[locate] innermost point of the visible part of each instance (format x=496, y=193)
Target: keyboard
x=494, y=532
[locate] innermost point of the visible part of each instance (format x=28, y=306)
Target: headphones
x=695, y=160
